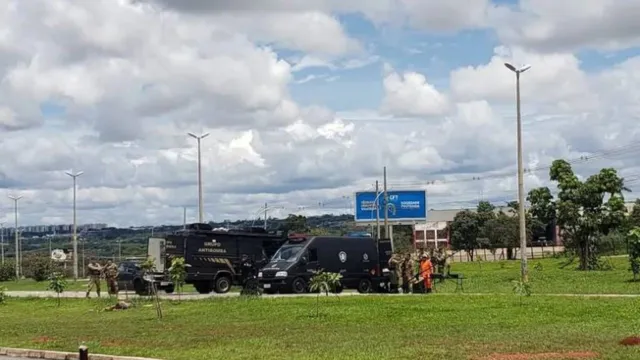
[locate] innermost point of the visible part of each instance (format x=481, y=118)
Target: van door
x=313, y=263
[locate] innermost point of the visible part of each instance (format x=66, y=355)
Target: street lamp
x=75, y=225
x=521, y=214
x=18, y=251
x=200, y=203
x=2, y=241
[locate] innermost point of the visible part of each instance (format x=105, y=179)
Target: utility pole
x=184, y=218
x=18, y=252
x=377, y=205
x=386, y=205
x=521, y=212
x=75, y=227
x=119, y=250
x=200, y=202
x=265, y=216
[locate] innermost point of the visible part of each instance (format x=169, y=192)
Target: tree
x=634, y=216
x=584, y=210
x=58, y=284
x=503, y=232
x=464, y=232
x=178, y=273
x=296, y=223
x=634, y=251
x=324, y=282
x=38, y=267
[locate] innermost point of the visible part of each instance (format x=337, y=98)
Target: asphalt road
x=123, y=295
x=195, y=296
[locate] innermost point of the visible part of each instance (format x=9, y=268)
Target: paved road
x=123, y=295
x=195, y=296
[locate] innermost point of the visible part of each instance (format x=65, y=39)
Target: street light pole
x=521, y=212
x=75, y=226
x=18, y=252
x=200, y=203
x=2, y=241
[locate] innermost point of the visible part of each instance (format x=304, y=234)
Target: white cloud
x=548, y=25
x=131, y=80
x=410, y=94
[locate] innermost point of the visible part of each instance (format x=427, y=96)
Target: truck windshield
x=288, y=253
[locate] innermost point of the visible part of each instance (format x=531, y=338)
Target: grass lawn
x=392, y=327
x=547, y=276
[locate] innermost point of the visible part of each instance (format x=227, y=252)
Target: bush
x=37, y=267
x=8, y=271
x=3, y=295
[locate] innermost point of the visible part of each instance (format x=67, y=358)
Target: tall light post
x=15, y=230
x=521, y=214
x=2, y=241
x=200, y=203
x=75, y=225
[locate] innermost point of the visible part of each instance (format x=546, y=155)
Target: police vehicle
x=214, y=256
x=358, y=260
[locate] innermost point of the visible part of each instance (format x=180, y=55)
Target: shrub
x=58, y=284
x=3, y=295
x=8, y=271
x=37, y=267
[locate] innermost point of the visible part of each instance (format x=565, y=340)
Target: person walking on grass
x=95, y=272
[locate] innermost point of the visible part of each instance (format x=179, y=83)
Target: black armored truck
x=215, y=256
x=359, y=260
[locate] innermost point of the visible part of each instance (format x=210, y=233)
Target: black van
x=214, y=255
x=356, y=259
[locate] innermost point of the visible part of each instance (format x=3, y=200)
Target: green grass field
x=547, y=276
x=391, y=327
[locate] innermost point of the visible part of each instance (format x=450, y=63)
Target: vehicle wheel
x=338, y=289
x=141, y=287
x=202, y=287
x=169, y=289
x=364, y=286
x=298, y=286
x=222, y=285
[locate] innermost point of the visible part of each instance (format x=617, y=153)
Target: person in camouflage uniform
x=395, y=273
x=407, y=273
x=111, y=276
x=95, y=271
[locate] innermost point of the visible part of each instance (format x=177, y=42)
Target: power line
x=628, y=148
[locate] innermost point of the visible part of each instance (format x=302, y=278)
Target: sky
x=305, y=102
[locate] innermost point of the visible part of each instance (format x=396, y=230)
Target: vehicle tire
x=298, y=286
x=365, y=286
x=222, y=284
x=202, y=287
x=338, y=289
x=169, y=289
x=141, y=287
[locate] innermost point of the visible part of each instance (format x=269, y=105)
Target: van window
x=313, y=255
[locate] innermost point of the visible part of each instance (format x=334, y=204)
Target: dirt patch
x=543, y=356
x=44, y=340
x=630, y=341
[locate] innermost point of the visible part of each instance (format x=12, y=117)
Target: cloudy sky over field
x=305, y=101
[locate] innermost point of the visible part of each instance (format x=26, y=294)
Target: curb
x=59, y=355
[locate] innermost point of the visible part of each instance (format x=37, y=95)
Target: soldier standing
x=111, y=276
x=407, y=274
x=394, y=276
x=95, y=270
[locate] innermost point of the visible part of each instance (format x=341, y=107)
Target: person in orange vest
x=426, y=269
